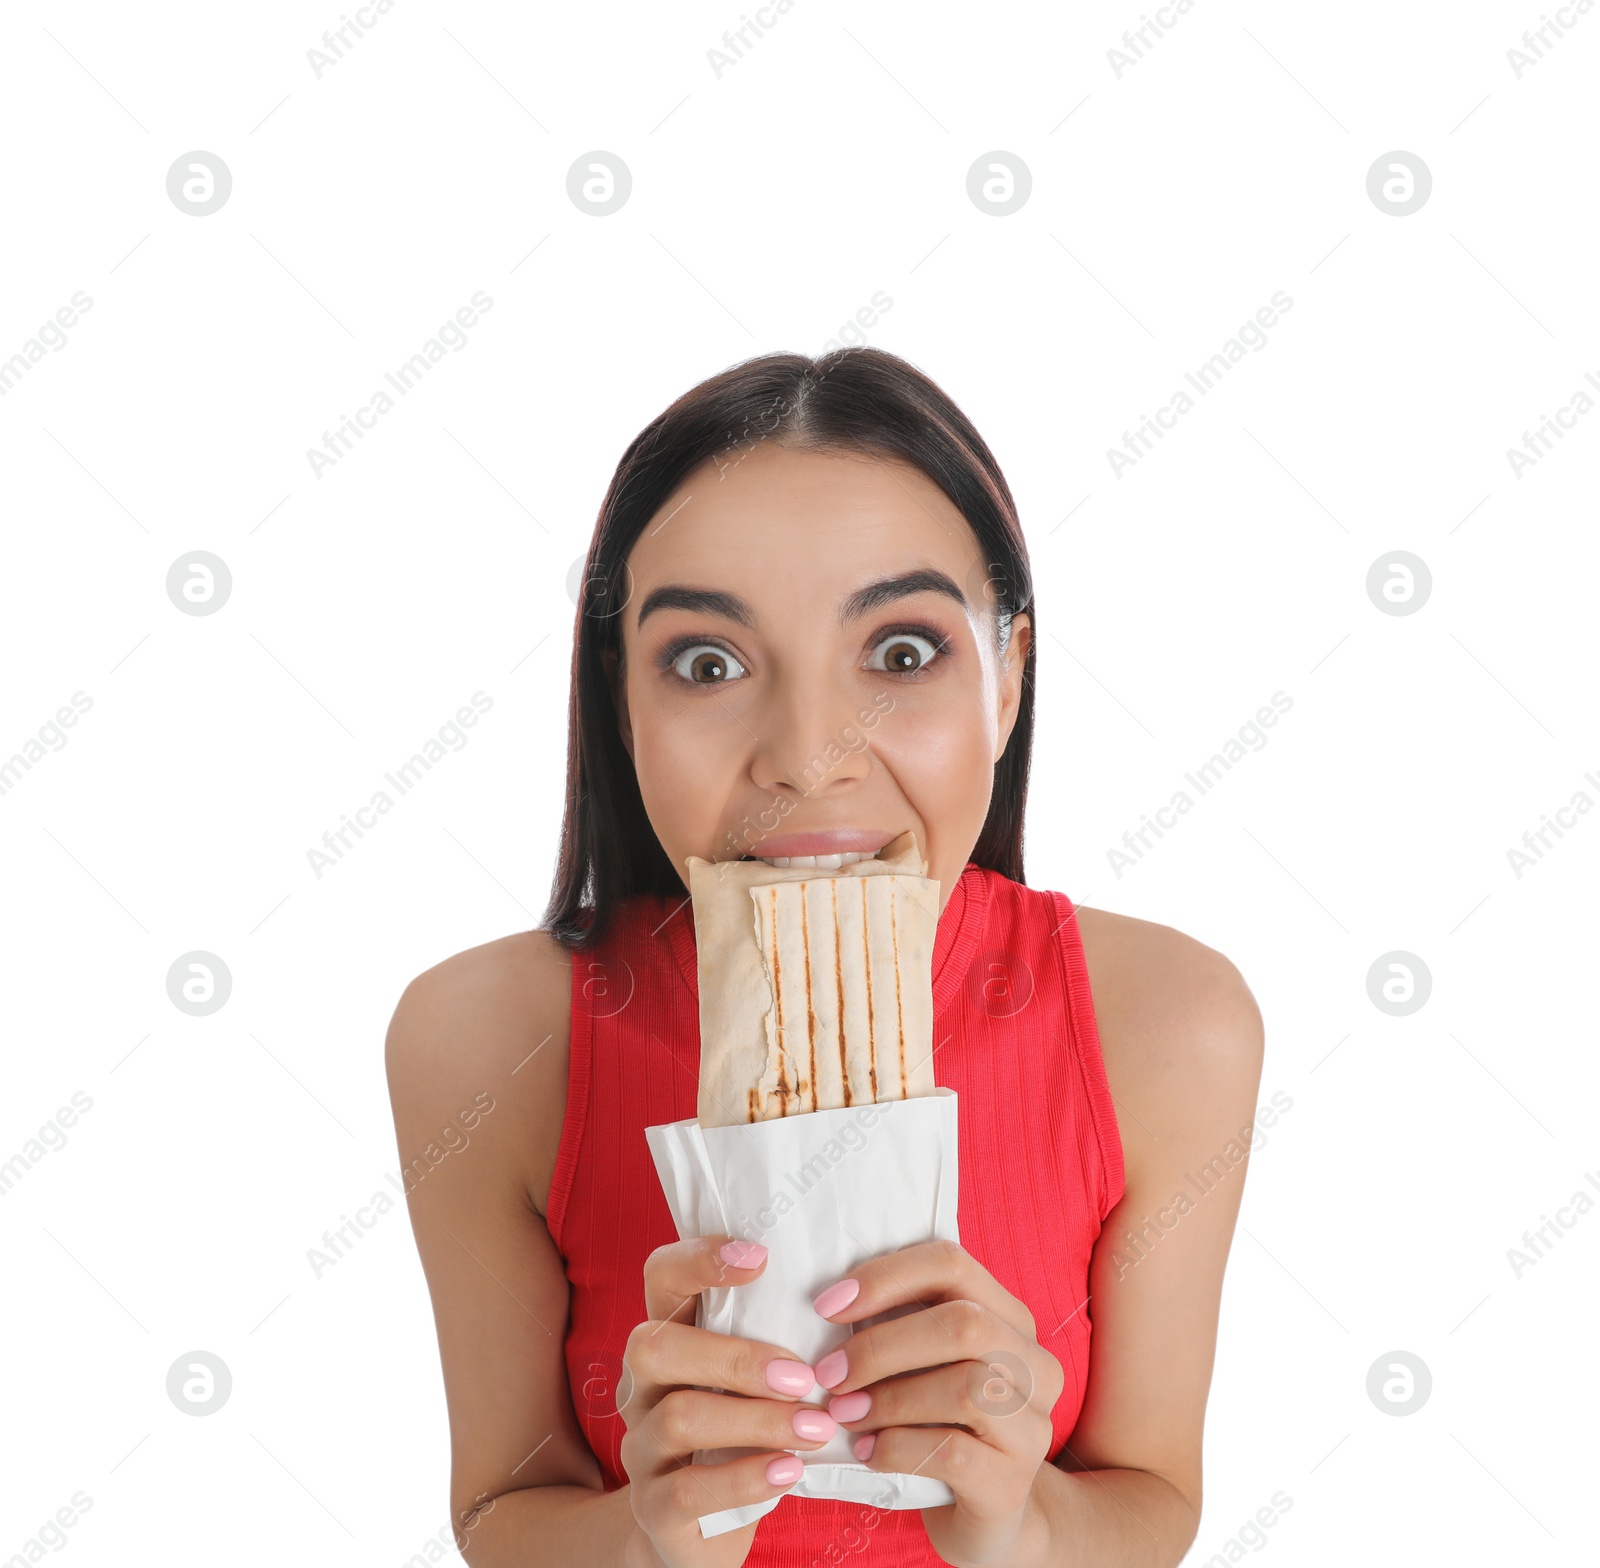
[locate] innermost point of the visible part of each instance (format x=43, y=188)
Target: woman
x=807, y=628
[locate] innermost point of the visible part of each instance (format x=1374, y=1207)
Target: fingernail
x=837, y=1297
x=832, y=1368
x=850, y=1407
x=863, y=1446
x=781, y=1472
x=789, y=1377
x=742, y=1254
x=816, y=1426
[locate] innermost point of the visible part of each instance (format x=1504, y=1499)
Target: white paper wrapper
x=825, y=1192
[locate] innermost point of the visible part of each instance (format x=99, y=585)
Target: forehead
x=803, y=526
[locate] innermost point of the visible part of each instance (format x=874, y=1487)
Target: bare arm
x=1183, y=1044
x=524, y=1486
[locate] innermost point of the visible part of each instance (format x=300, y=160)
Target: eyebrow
x=712, y=601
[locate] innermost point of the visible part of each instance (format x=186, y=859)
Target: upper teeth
x=820, y=862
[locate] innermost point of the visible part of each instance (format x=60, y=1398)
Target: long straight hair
x=852, y=400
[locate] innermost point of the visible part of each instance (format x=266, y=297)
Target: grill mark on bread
x=899, y=1011
x=811, y=1012
x=777, y=1002
x=838, y=985
x=866, y=953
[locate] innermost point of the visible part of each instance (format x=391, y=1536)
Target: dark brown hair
x=855, y=400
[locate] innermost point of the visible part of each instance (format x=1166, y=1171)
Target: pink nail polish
x=832, y=1369
x=863, y=1446
x=816, y=1426
x=789, y=1377
x=785, y=1471
x=837, y=1297
x=742, y=1254
x=850, y=1407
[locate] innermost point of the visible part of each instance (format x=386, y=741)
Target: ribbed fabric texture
x=1040, y=1155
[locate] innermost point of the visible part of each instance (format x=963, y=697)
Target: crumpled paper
x=824, y=1191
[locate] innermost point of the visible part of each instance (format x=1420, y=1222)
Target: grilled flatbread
x=816, y=990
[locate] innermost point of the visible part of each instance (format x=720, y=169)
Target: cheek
x=684, y=779
x=938, y=747
x=666, y=754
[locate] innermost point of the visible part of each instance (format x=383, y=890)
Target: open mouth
x=818, y=862
x=823, y=849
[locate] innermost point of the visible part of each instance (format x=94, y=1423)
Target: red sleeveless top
x=1040, y=1158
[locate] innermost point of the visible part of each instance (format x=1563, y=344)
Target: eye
x=705, y=664
x=905, y=652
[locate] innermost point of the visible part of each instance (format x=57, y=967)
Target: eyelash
x=941, y=651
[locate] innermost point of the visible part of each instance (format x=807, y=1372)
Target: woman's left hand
x=978, y=1417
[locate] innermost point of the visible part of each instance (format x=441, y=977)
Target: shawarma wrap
x=816, y=989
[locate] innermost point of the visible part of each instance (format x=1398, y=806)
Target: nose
x=810, y=743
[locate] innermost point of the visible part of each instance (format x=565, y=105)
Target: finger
x=920, y=1276
x=665, y=1355
x=670, y=1507
x=987, y=1399
x=687, y=1420
x=946, y=1332
x=982, y=1477
x=676, y=1273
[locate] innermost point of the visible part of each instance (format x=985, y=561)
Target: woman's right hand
x=671, y=1412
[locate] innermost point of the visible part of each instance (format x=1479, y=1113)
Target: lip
x=830, y=841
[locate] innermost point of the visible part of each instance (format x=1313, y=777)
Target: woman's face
x=785, y=694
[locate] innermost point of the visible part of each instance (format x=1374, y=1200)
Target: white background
x=768, y=205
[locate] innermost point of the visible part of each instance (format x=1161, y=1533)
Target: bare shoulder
x=1180, y=1031
x=491, y=1021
